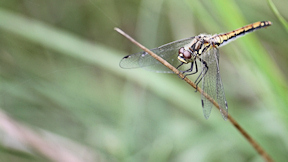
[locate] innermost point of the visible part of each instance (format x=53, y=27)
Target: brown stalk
x=54, y=148
x=256, y=146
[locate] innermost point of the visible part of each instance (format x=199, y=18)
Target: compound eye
x=181, y=50
x=187, y=54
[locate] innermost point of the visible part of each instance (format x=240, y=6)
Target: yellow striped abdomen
x=222, y=39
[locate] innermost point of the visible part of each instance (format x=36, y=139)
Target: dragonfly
x=184, y=55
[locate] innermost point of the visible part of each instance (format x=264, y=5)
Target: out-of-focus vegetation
x=61, y=80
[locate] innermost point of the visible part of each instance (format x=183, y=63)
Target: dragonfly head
x=185, y=56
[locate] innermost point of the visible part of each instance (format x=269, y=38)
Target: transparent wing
x=221, y=99
x=212, y=84
x=168, y=52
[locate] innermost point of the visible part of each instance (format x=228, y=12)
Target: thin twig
x=46, y=144
x=256, y=146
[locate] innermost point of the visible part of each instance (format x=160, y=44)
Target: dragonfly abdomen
x=222, y=39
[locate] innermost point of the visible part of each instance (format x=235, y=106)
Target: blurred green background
x=61, y=80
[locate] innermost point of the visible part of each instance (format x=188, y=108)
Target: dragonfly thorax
x=198, y=45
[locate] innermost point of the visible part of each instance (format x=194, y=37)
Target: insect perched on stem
x=202, y=49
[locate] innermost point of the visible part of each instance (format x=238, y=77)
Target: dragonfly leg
x=180, y=66
x=185, y=71
x=202, y=74
x=180, y=70
x=191, y=69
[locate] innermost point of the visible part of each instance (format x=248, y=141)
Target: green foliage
x=60, y=74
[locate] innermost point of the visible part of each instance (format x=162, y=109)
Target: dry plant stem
x=256, y=146
x=55, y=151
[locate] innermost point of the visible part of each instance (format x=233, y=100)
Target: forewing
x=221, y=99
x=208, y=81
x=212, y=84
x=168, y=52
